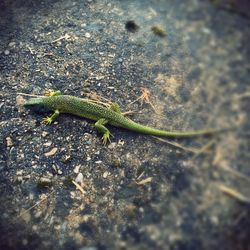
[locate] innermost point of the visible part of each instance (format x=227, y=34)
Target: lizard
x=103, y=115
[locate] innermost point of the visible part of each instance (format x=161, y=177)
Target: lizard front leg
x=49, y=119
x=100, y=126
x=52, y=93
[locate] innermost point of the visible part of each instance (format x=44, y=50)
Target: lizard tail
x=136, y=127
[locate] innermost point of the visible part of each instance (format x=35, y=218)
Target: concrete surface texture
x=179, y=65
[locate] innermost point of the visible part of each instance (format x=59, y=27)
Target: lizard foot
x=52, y=92
x=47, y=120
x=106, y=137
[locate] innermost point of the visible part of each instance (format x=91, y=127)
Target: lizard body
x=103, y=115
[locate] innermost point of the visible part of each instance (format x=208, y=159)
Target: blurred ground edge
x=241, y=7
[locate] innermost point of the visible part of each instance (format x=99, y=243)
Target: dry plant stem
x=204, y=148
x=101, y=103
x=96, y=97
x=31, y=50
x=238, y=97
x=130, y=112
x=79, y=187
x=139, y=177
x=234, y=193
x=145, y=181
x=177, y=145
x=66, y=36
x=32, y=95
x=36, y=204
x=136, y=100
x=144, y=97
x=235, y=172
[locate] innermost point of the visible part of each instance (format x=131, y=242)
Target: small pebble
x=105, y=175
x=59, y=171
x=9, y=142
x=19, y=100
x=24, y=242
x=45, y=180
x=76, y=169
x=19, y=172
x=12, y=44
x=87, y=35
x=51, y=152
x=79, y=178
x=48, y=144
x=44, y=133
x=44, y=183
x=112, y=145
x=6, y=52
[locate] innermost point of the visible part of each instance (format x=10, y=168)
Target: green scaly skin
x=91, y=110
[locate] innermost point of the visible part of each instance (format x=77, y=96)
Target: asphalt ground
x=179, y=65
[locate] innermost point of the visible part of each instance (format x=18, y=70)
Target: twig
x=139, y=177
x=97, y=99
x=35, y=205
x=243, y=95
x=99, y=102
x=144, y=97
x=234, y=193
x=66, y=36
x=235, y=172
x=129, y=112
x=204, y=148
x=29, y=94
x=145, y=181
x=177, y=145
x=140, y=97
x=30, y=50
x=79, y=187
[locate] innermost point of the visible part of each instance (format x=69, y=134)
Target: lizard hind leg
x=100, y=126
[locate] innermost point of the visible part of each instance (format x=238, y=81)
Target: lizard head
x=37, y=104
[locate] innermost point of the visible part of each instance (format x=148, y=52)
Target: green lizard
x=102, y=115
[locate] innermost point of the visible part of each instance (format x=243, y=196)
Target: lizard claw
x=106, y=137
x=47, y=120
